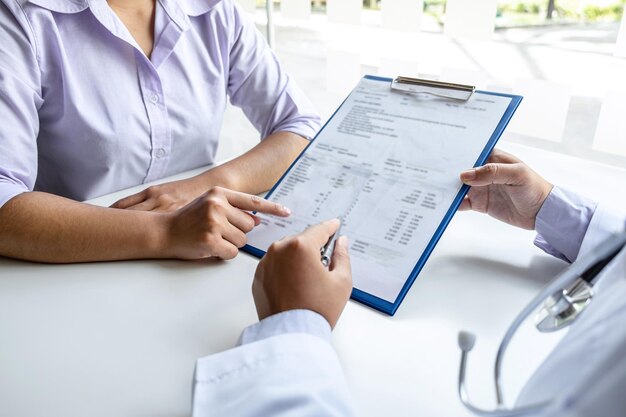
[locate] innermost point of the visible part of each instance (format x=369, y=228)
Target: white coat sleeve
x=282, y=369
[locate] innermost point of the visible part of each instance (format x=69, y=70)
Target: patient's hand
x=214, y=225
x=291, y=275
x=164, y=197
x=507, y=189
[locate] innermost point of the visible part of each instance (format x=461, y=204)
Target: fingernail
x=468, y=175
x=343, y=242
x=286, y=210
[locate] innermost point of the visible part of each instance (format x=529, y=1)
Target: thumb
x=507, y=174
x=340, y=262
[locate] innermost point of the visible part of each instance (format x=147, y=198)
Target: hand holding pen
x=290, y=276
x=326, y=251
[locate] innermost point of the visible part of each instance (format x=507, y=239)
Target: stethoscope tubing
x=565, y=278
x=594, y=261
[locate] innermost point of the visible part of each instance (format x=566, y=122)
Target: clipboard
x=448, y=91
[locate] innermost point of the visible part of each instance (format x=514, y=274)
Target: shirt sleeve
x=282, y=368
x=20, y=99
x=562, y=223
x=292, y=321
x=257, y=84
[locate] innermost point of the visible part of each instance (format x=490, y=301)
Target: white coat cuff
x=605, y=221
x=562, y=222
x=292, y=321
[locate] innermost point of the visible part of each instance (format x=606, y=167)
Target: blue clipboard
x=376, y=302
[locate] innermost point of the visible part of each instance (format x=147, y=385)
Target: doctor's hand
x=214, y=225
x=291, y=275
x=506, y=189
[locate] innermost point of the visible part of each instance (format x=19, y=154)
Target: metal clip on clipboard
x=461, y=92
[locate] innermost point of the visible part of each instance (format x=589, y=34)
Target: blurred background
x=566, y=57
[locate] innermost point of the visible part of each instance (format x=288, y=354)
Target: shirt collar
x=62, y=6
x=177, y=9
x=197, y=7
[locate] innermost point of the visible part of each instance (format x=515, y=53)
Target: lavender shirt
x=83, y=112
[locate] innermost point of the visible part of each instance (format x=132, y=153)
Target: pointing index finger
x=252, y=202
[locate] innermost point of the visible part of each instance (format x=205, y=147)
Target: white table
x=121, y=338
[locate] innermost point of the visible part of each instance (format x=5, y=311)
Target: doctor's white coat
x=288, y=373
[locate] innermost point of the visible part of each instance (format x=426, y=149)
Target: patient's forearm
x=46, y=228
x=258, y=169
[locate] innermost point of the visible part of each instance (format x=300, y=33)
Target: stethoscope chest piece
x=564, y=306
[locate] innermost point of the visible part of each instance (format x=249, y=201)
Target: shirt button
x=160, y=153
x=154, y=98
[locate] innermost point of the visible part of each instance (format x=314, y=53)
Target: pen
x=327, y=250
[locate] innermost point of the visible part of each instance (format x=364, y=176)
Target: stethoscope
x=560, y=303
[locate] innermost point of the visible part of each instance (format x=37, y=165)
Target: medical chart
x=388, y=165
